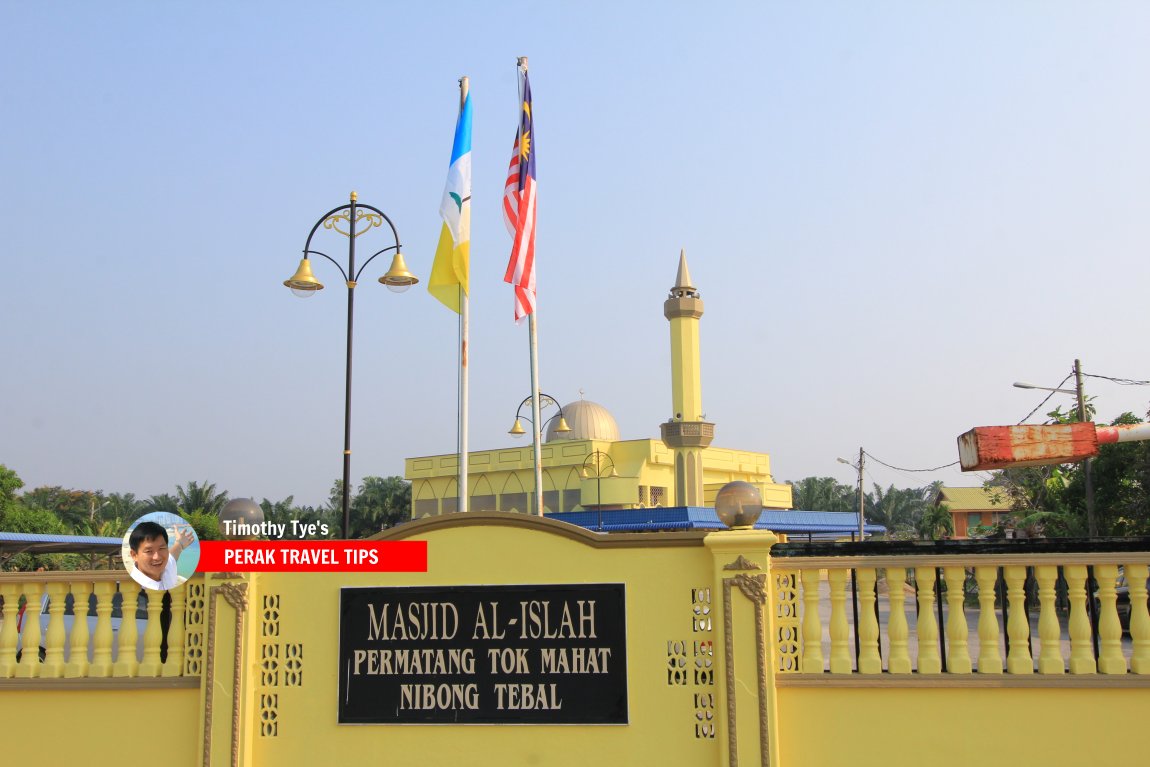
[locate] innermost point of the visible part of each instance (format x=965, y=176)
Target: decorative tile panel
x=194, y=623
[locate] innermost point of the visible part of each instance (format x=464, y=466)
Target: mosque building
x=586, y=466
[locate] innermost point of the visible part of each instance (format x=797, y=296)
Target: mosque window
x=483, y=503
x=642, y=495
x=426, y=508
x=571, y=499
x=514, y=502
x=449, y=505
x=658, y=496
x=550, y=500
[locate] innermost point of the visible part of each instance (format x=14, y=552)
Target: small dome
x=588, y=420
x=243, y=511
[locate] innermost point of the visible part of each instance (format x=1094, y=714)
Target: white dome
x=588, y=420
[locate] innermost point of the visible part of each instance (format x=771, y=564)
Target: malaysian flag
x=519, y=210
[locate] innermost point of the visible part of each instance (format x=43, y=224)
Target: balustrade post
x=929, y=661
x=153, y=635
x=8, y=634
x=77, y=666
x=127, y=664
x=1081, y=639
x=1139, y=619
x=1018, y=660
x=812, y=625
x=897, y=629
x=989, y=654
x=28, y=667
x=55, y=636
x=101, y=665
x=1049, y=632
x=1110, y=658
x=174, y=665
x=841, y=662
x=957, y=629
x=870, y=660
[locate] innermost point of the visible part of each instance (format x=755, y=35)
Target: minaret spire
x=683, y=288
x=686, y=432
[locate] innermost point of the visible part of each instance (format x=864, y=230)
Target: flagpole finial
x=354, y=196
x=523, y=63
x=464, y=85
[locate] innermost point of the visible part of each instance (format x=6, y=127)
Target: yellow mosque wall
x=504, y=480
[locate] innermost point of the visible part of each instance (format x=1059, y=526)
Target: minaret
x=686, y=433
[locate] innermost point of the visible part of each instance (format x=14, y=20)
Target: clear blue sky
x=893, y=210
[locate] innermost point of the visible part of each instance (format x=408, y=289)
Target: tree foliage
x=823, y=494
x=901, y=511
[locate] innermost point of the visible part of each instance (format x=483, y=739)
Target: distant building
x=973, y=506
x=681, y=469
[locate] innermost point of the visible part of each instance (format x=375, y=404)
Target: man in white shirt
x=154, y=563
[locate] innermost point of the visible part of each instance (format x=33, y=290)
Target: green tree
x=162, y=502
x=283, y=512
x=936, y=522
x=72, y=507
x=122, y=506
x=899, y=510
x=1035, y=497
x=18, y=518
x=823, y=494
x=381, y=502
x=207, y=526
x=10, y=482
x=1121, y=491
x=195, y=497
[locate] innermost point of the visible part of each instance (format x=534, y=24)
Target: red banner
x=313, y=556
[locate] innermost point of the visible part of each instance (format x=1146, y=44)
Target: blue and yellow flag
x=449, y=272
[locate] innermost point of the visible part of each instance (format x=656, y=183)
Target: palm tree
x=380, y=503
x=936, y=522
x=899, y=510
x=203, y=499
x=122, y=506
x=822, y=494
x=162, y=502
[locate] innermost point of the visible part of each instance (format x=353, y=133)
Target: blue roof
x=41, y=543
x=45, y=538
x=812, y=523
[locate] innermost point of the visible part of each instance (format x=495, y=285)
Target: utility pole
x=1091, y=522
x=862, y=519
x=862, y=498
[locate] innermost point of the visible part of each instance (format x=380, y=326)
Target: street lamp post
x=604, y=467
x=1091, y=522
x=351, y=221
x=517, y=430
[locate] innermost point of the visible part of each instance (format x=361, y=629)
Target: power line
x=1123, y=381
x=1044, y=401
x=899, y=468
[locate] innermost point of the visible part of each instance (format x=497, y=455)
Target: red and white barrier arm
x=1130, y=433
x=1001, y=447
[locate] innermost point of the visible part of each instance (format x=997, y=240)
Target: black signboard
x=546, y=654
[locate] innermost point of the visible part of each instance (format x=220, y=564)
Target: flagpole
x=533, y=341
x=464, y=330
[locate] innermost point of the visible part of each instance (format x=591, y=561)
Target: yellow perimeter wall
x=954, y=726
x=99, y=727
x=678, y=591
